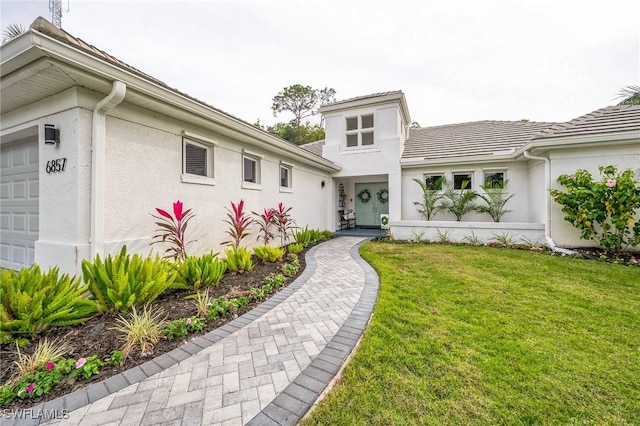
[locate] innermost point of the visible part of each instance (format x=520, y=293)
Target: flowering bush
x=604, y=211
x=172, y=230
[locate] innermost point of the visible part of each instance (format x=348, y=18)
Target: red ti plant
x=239, y=223
x=283, y=222
x=171, y=229
x=265, y=220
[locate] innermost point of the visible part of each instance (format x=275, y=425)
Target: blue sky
x=455, y=61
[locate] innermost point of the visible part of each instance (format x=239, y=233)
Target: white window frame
x=437, y=175
x=359, y=131
x=204, y=143
x=257, y=159
x=453, y=179
x=493, y=172
x=289, y=169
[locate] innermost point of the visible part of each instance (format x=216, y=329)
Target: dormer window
x=360, y=131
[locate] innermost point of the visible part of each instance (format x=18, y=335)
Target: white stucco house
x=90, y=146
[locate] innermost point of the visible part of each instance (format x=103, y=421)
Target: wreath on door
x=383, y=196
x=364, y=195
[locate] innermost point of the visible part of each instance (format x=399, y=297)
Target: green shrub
x=180, y=327
x=605, y=212
x=295, y=248
x=238, y=259
x=307, y=236
x=32, y=301
x=125, y=281
x=327, y=235
x=197, y=272
x=268, y=253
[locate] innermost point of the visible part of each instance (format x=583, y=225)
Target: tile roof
x=362, y=98
x=618, y=118
x=470, y=139
x=45, y=27
x=314, y=147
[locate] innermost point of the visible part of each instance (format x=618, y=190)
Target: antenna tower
x=55, y=11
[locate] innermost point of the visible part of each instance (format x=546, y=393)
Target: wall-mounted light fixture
x=322, y=184
x=51, y=134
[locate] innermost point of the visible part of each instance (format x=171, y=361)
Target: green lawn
x=483, y=336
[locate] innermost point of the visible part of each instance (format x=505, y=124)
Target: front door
x=372, y=200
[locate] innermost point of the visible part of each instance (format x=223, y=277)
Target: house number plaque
x=56, y=166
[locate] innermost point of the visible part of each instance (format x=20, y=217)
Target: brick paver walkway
x=266, y=367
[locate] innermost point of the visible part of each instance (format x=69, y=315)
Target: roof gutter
x=71, y=55
x=98, y=164
x=547, y=205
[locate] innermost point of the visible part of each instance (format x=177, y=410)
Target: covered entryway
x=19, y=192
x=372, y=200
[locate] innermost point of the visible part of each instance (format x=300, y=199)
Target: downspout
x=98, y=162
x=547, y=205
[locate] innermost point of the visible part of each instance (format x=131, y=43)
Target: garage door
x=18, y=203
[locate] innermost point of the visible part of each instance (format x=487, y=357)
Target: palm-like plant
x=496, y=198
x=630, y=95
x=429, y=206
x=12, y=31
x=459, y=201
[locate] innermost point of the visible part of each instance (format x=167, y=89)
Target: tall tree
x=630, y=95
x=302, y=102
x=12, y=31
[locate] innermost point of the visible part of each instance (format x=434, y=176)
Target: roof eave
x=35, y=44
x=420, y=162
x=550, y=143
x=398, y=97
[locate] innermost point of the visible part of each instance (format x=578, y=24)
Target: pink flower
x=611, y=183
x=31, y=387
x=187, y=321
x=572, y=176
x=244, y=293
x=49, y=366
x=81, y=362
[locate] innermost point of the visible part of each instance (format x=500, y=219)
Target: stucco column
x=395, y=195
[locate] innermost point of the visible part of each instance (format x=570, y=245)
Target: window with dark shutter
x=195, y=160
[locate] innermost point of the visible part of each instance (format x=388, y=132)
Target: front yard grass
x=477, y=336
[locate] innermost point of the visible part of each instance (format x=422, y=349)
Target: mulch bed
x=97, y=337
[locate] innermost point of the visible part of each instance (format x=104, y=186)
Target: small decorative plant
x=32, y=301
x=496, y=197
x=268, y=253
x=125, y=281
x=239, y=223
x=238, y=259
x=431, y=198
x=284, y=223
x=172, y=229
x=605, y=211
x=504, y=239
x=265, y=221
x=197, y=272
x=141, y=331
x=295, y=248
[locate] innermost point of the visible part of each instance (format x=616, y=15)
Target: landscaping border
x=296, y=400
x=113, y=384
